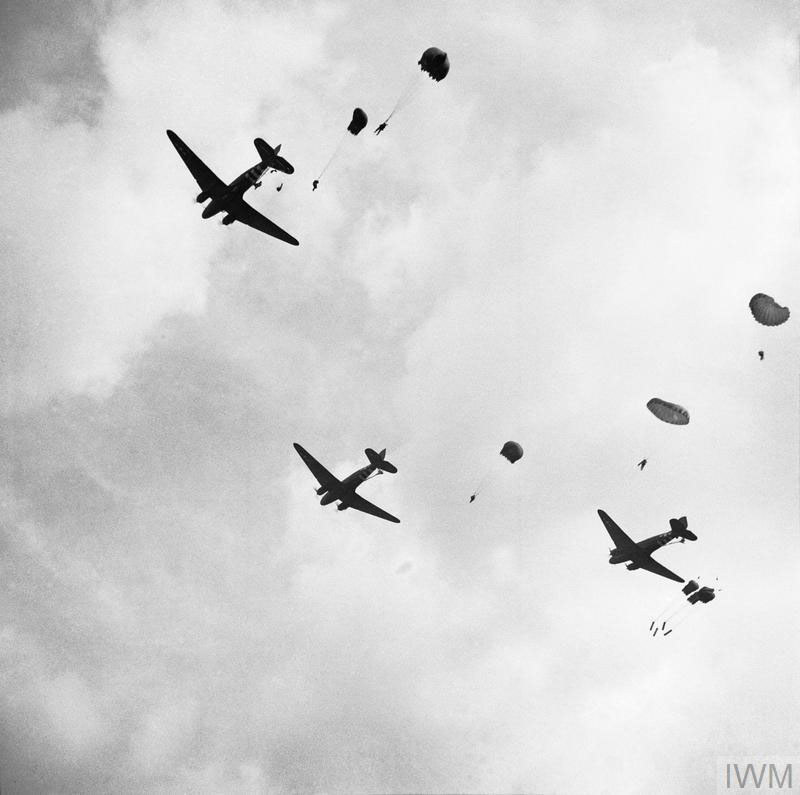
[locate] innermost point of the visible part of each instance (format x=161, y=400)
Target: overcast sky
x=570, y=224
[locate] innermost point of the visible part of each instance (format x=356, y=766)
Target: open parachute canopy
x=435, y=62
x=358, y=122
x=766, y=311
x=668, y=412
x=512, y=451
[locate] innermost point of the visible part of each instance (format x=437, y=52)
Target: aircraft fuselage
x=346, y=487
x=648, y=546
x=235, y=191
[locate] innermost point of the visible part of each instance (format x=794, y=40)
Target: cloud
x=525, y=253
x=111, y=256
x=50, y=55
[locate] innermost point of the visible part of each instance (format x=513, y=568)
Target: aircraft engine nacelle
x=321, y=490
x=631, y=566
x=228, y=220
x=341, y=506
x=201, y=197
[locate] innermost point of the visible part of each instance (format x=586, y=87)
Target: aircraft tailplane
x=378, y=460
x=680, y=528
x=265, y=151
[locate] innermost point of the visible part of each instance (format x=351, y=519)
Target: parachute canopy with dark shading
x=512, y=451
x=668, y=412
x=358, y=122
x=690, y=586
x=767, y=312
x=435, y=62
x=704, y=595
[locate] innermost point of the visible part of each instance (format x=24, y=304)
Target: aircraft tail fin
x=680, y=527
x=378, y=460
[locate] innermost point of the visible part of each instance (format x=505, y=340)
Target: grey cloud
x=181, y=614
x=52, y=49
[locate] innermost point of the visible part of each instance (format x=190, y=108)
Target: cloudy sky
x=571, y=223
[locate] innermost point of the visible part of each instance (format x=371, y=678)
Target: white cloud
x=74, y=719
x=530, y=251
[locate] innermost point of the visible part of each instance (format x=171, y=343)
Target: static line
x=408, y=93
x=335, y=152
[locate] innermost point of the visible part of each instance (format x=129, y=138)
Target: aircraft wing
x=621, y=540
x=317, y=470
x=244, y=213
x=208, y=181
x=651, y=565
x=360, y=504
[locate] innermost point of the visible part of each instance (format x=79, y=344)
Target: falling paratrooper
x=356, y=125
x=433, y=62
x=694, y=593
x=512, y=452
x=671, y=413
x=768, y=312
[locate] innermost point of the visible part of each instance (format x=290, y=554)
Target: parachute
x=358, y=122
x=690, y=586
x=766, y=311
x=680, y=607
x=668, y=412
x=433, y=62
x=511, y=450
x=671, y=413
x=704, y=595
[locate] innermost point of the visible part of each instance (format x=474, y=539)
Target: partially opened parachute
x=668, y=412
x=512, y=451
x=435, y=62
x=766, y=311
x=358, y=122
x=690, y=587
x=705, y=595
